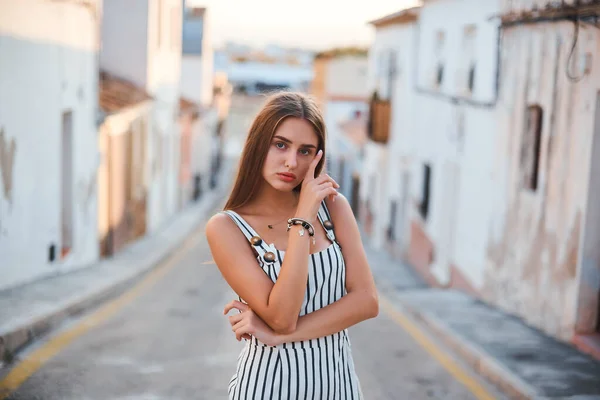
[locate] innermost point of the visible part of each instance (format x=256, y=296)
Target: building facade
x=141, y=43
x=495, y=166
x=48, y=137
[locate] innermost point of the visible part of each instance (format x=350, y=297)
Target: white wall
x=49, y=53
x=347, y=76
x=451, y=17
x=457, y=139
x=397, y=41
x=335, y=113
x=384, y=164
x=191, y=78
x=208, y=67
x=542, y=247
x=164, y=74
x=125, y=39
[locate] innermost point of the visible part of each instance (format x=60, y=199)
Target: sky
x=314, y=24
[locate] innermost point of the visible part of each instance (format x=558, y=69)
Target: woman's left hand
x=247, y=324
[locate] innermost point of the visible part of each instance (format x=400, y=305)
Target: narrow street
x=171, y=341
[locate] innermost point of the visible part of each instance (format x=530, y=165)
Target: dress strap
x=325, y=219
x=255, y=240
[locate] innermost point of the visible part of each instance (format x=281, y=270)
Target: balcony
x=380, y=112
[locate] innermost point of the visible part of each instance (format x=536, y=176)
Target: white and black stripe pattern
x=319, y=369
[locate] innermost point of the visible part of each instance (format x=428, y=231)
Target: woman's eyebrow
x=289, y=141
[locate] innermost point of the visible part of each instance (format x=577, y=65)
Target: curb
x=15, y=340
x=481, y=362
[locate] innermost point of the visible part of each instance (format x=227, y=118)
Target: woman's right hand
x=314, y=190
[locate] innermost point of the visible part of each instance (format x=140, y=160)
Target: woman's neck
x=274, y=202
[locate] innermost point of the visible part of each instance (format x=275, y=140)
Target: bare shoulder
x=219, y=220
x=221, y=228
x=216, y=223
x=340, y=210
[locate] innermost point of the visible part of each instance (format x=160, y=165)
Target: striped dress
x=319, y=369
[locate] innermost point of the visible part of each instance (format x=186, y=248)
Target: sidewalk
x=523, y=362
x=28, y=311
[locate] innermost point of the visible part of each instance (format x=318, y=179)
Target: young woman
x=288, y=244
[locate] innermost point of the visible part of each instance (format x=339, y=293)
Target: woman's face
x=291, y=151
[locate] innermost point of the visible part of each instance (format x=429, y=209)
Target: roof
x=196, y=11
x=400, y=17
x=342, y=51
x=116, y=93
x=187, y=106
x=355, y=129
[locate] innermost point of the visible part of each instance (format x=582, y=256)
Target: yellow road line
x=459, y=373
x=23, y=370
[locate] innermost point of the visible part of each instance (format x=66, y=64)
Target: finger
x=326, y=178
x=246, y=336
x=323, y=186
x=332, y=197
x=242, y=331
x=327, y=192
x=238, y=325
x=234, y=319
x=237, y=305
x=310, y=174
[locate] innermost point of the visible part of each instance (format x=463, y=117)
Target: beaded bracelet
x=305, y=225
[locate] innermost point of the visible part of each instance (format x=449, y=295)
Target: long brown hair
x=278, y=107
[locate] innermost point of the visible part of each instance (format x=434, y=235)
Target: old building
x=340, y=87
x=141, y=44
x=454, y=135
x=48, y=137
x=495, y=161
x=124, y=167
x=199, y=118
x=542, y=254
x=383, y=192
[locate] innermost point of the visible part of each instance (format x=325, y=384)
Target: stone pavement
x=522, y=361
x=29, y=311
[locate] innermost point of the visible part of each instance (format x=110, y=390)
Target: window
x=530, y=147
x=426, y=191
x=440, y=39
x=341, y=172
x=192, y=32
x=439, y=75
x=391, y=73
x=391, y=231
x=471, y=80
x=468, y=68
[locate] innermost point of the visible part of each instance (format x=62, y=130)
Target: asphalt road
x=172, y=342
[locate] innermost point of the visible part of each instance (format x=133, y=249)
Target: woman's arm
x=360, y=303
x=277, y=304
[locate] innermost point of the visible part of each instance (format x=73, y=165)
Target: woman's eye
x=305, y=152
x=280, y=145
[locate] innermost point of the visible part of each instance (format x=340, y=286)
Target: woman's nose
x=291, y=161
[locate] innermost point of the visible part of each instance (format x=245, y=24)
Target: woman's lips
x=287, y=177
